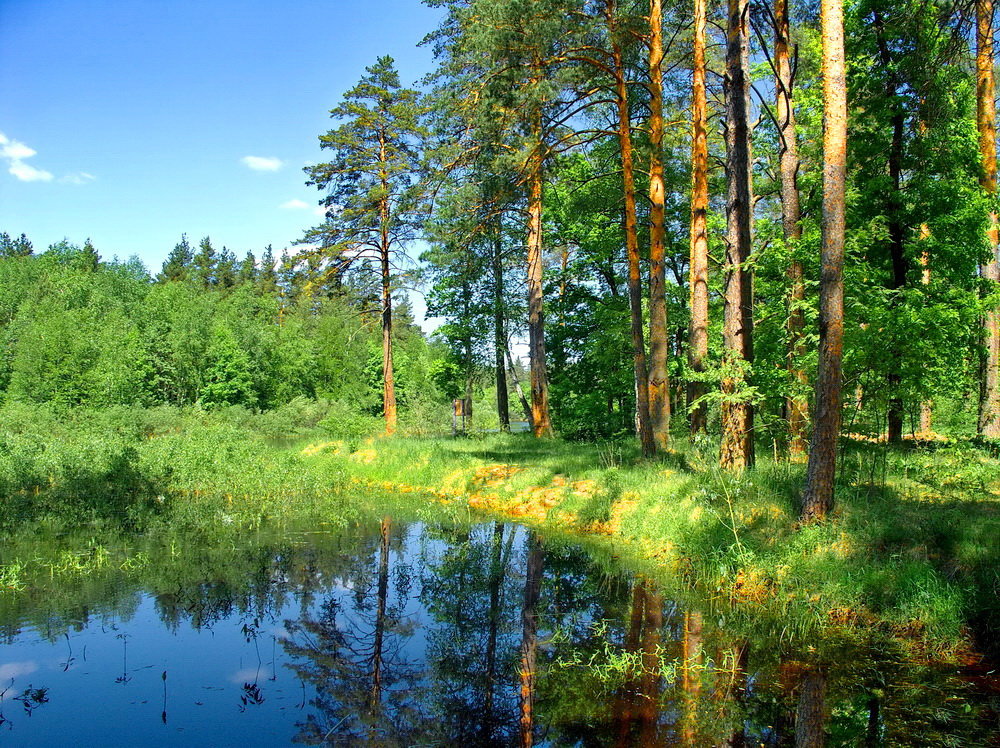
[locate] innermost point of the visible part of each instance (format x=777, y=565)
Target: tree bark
x=388, y=378
x=659, y=381
x=810, y=717
x=641, y=374
x=926, y=427
x=895, y=227
x=986, y=117
x=698, y=339
x=817, y=498
x=737, y=449
x=788, y=167
x=500, y=337
x=541, y=423
x=525, y=405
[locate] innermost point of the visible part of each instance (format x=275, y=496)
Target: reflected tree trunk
x=375, y=695
x=691, y=678
x=496, y=578
x=873, y=735
x=529, y=638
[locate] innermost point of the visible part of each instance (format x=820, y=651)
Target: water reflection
x=403, y=634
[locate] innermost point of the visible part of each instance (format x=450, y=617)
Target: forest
x=733, y=268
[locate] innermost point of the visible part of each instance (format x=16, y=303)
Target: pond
x=395, y=633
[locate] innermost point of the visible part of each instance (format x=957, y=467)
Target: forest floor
x=912, y=549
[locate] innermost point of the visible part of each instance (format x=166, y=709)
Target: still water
x=416, y=634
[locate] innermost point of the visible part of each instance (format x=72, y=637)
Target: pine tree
x=204, y=265
x=19, y=247
x=372, y=210
x=246, y=274
x=177, y=266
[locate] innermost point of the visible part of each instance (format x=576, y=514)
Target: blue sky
x=133, y=121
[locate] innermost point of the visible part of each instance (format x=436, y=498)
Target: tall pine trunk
x=986, y=119
x=737, y=449
x=659, y=381
x=500, y=335
x=788, y=167
x=698, y=337
x=817, y=498
x=540, y=420
x=631, y=243
x=388, y=380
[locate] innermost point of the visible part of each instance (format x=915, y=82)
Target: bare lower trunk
x=737, y=449
x=388, y=380
x=500, y=338
x=896, y=230
x=641, y=374
x=986, y=117
x=926, y=426
x=659, y=382
x=797, y=404
x=540, y=421
x=817, y=498
x=522, y=398
x=698, y=339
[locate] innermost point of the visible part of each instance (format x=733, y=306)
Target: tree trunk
x=817, y=498
x=986, y=118
x=500, y=337
x=643, y=425
x=809, y=718
x=540, y=421
x=896, y=230
x=388, y=379
x=525, y=405
x=737, y=449
x=788, y=166
x=529, y=638
x=698, y=342
x=659, y=382
x=926, y=426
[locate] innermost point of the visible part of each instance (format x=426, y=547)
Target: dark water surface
x=415, y=634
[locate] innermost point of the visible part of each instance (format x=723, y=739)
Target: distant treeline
x=207, y=330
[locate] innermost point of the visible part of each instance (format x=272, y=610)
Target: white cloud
x=27, y=173
x=261, y=163
x=15, y=152
x=80, y=178
x=294, y=204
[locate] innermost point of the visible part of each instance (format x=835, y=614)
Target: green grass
x=912, y=550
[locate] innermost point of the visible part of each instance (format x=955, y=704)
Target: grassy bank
x=912, y=550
